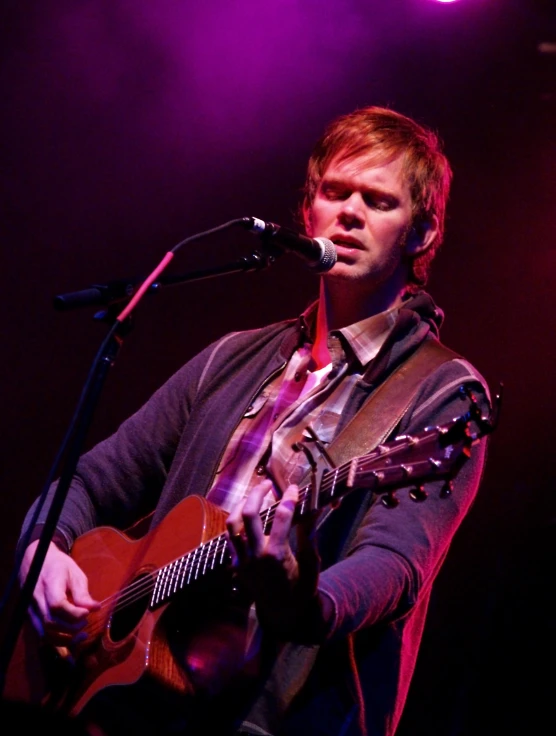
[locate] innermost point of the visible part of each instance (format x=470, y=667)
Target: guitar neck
x=435, y=453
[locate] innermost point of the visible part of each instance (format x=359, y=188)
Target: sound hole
x=131, y=606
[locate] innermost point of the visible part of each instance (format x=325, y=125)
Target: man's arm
x=120, y=479
x=397, y=552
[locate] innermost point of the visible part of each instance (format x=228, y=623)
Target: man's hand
x=283, y=585
x=61, y=599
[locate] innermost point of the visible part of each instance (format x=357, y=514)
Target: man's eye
x=383, y=205
x=334, y=194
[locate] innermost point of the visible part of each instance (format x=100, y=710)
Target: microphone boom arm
x=121, y=290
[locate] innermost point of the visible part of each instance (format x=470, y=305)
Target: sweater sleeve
x=397, y=552
x=120, y=479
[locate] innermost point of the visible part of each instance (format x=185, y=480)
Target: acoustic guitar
x=147, y=626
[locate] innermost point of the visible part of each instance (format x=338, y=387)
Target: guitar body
x=185, y=649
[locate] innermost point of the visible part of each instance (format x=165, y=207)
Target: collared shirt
x=265, y=443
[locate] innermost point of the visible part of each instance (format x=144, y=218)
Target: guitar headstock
x=436, y=453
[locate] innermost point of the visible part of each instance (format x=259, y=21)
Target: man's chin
x=347, y=269
x=350, y=280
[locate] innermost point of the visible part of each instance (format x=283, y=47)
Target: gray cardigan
x=378, y=564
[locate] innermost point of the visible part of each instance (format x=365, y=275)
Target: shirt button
x=260, y=470
x=297, y=376
x=275, y=416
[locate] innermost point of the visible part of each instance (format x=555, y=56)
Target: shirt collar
x=365, y=337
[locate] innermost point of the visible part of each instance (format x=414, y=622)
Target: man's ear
x=422, y=234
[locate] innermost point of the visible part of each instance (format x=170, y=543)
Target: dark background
x=127, y=126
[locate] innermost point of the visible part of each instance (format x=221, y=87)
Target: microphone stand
x=111, y=295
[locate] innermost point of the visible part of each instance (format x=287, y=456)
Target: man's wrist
x=57, y=537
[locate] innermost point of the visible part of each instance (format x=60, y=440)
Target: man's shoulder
x=255, y=335
x=451, y=380
x=236, y=350
x=453, y=361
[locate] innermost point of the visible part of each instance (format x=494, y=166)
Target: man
x=339, y=599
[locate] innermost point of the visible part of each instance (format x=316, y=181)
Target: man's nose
x=351, y=214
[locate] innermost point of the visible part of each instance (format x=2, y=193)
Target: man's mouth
x=346, y=242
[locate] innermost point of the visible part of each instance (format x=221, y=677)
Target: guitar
x=144, y=629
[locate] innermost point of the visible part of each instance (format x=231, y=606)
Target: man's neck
x=340, y=306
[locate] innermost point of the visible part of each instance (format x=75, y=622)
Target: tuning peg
x=418, y=493
x=390, y=500
x=446, y=489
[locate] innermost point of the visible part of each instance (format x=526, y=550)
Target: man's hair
x=381, y=131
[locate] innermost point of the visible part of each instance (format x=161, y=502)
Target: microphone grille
x=329, y=255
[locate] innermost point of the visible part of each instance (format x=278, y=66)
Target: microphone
x=319, y=253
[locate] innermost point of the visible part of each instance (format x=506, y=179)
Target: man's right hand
x=61, y=600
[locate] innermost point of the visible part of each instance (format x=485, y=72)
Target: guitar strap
x=383, y=411
x=386, y=406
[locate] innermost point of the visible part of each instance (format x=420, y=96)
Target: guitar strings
x=203, y=554
x=188, y=568
x=207, y=553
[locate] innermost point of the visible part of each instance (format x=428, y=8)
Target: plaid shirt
x=262, y=445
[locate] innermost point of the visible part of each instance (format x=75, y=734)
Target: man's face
x=363, y=205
